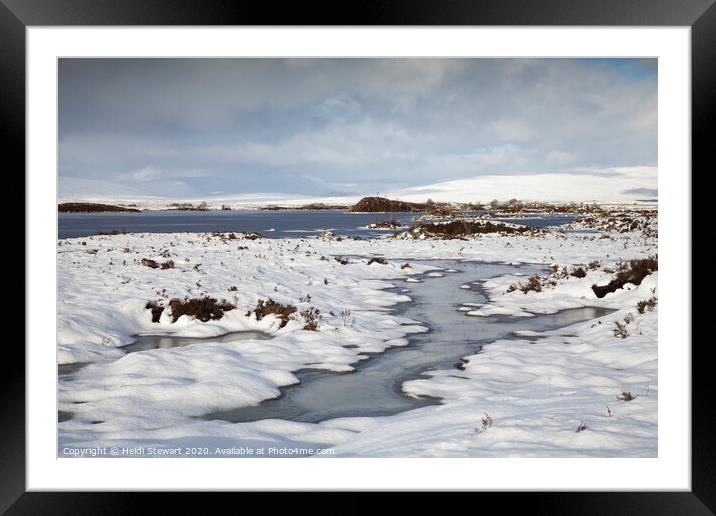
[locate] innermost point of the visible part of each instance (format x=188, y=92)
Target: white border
x=671, y=470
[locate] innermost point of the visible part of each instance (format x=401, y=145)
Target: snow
x=539, y=391
x=612, y=185
x=536, y=389
x=572, y=293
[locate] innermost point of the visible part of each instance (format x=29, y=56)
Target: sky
x=187, y=128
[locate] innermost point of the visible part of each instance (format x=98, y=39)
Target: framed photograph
x=444, y=248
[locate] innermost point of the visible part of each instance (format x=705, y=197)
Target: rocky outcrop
x=90, y=207
x=381, y=205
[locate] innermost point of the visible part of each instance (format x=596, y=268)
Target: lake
x=271, y=224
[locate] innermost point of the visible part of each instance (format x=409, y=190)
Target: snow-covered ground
x=524, y=397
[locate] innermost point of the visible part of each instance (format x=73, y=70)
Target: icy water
x=374, y=388
x=272, y=224
x=145, y=342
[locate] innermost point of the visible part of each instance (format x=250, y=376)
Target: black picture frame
x=700, y=15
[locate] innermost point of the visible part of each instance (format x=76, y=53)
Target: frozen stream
x=374, y=388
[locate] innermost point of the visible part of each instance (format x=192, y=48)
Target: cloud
x=646, y=192
x=205, y=125
x=512, y=129
x=146, y=174
x=560, y=157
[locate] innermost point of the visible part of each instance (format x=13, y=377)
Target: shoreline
x=118, y=206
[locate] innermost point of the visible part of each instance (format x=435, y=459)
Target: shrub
x=381, y=261
x=620, y=330
x=632, y=272
x=150, y=263
x=579, y=272
x=626, y=396
x=461, y=228
x=224, y=236
x=485, y=422
x=310, y=315
x=156, y=309
x=271, y=307
x=90, y=207
x=649, y=304
x=169, y=264
x=381, y=204
x=533, y=284
x=581, y=427
x=204, y=309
